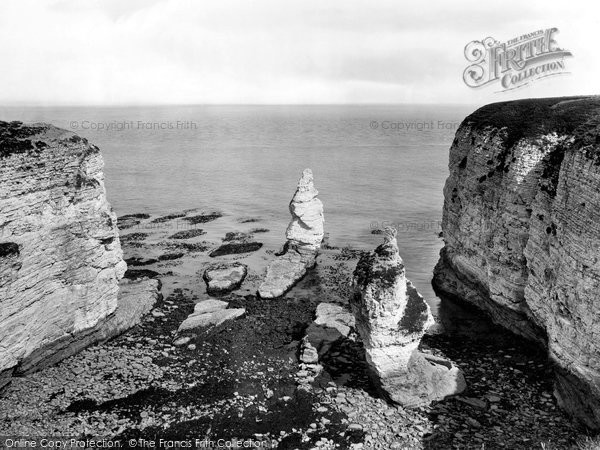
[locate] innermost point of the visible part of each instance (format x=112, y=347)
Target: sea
x=373, y=165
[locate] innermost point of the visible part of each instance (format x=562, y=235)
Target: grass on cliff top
x=532, y=117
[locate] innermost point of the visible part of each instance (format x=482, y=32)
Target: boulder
x=391, y=318
x=304, y=236
x=224, y=277
x=332, y=322
x=209, y=314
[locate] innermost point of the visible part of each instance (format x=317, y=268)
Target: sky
x=131, y=52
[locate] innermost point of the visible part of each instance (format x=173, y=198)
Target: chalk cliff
x=60, y=256
x=521, y=227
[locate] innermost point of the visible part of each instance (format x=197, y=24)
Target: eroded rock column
x=304, y=235
x=391, y=318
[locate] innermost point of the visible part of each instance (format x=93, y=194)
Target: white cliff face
x=522, y=232
x=304, y=236
x=391, y=318
x=60, y=256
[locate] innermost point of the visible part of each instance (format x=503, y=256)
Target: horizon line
x=134, y=105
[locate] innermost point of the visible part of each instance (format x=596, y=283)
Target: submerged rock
x=130, y=220
x=188, y=234
x=235, y=248
x=224, y=277
x=210, y=313
x=304, y=236
x=391, y=318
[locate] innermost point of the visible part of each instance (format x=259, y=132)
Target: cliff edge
x=60, y=256
x=521, y=226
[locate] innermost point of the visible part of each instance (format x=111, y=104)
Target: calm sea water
x=372, y=165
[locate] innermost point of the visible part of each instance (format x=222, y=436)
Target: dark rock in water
x=203, y=218
x=135, y=261
x=134, y=216
x=391, y=318
x=131, y=220
x=236, y=236
x=194, y=247
x=188, y=234
x=136, y=274
x=304, y=236
x=168, y=217
x=133, y=237
x=249, y=220
x=377, y=231
x=236, y=248
x=126, y=222
x=224, y=278
x=170, y=256
x=259, y=230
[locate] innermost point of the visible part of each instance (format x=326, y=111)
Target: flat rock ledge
x=224, y=278
x=391, y=319
x=209, y=314
x=135, y=299
x=304, y=236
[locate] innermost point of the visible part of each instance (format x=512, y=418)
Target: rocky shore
x=245, y=378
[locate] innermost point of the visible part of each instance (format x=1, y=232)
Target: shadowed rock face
x=391, y=318
x=521, y=227
x=304, y=236
x=60, y=256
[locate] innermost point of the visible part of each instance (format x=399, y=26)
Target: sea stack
x=60, y=257
x=304, y=235
x=391, y=319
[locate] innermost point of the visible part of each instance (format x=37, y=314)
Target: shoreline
x=243, y=379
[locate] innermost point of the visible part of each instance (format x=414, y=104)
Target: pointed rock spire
x=391, y=318
x=304, y=236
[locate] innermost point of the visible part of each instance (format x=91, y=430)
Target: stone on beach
x=210, y=313
x=332, y=322
x=223, y=278
x=391, y=318
x=304, y=236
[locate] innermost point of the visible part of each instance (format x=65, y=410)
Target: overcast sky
x=275, y=51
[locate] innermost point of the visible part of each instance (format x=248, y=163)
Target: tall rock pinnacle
x=304, y=235
x=391, y=318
